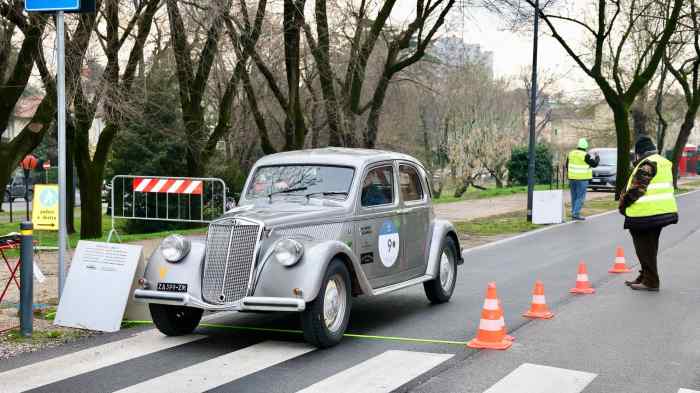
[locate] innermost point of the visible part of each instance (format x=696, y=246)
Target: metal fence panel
x=174, y=199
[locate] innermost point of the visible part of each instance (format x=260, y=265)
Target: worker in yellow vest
x=579, y=166
x=648, y=204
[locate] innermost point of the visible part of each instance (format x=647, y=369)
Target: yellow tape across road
x=291, y=331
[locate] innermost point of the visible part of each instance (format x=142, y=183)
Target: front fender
x=441, y=229
x=188, y=271
x=276, y=280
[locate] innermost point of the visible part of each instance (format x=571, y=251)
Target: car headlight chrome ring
x=175, y=248
x=288, y=252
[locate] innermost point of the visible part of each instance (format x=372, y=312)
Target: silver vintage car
x=313, y=229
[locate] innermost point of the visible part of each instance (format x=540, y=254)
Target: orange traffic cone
x=539, y=308
x=491, y=333
x=505, y=328
x=620, y=266
x=583, y=286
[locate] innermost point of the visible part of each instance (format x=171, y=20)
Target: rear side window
x=378, y=187
x=411, y=188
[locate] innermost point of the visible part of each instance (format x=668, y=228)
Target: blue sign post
x=59, y=7
x=51, y=5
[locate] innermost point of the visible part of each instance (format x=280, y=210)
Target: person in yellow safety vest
x=648, y=204
x=579, y=166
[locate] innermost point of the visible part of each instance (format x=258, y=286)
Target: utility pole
x=533, y=115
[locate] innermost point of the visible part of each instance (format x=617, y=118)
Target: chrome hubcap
x=446, y=272
x=334, y=303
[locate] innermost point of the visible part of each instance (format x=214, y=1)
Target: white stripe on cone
x=582, y=277
x=538, y=299
x=619, y=259
x=490, y=304
x=491, y=325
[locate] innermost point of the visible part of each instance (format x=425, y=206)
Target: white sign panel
x=98, y=286
x=548, y=207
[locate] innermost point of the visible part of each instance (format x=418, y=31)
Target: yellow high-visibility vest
x=578, y=169
x=659, y=198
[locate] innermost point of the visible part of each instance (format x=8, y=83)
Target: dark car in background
x=605, y=174
x=16, y=189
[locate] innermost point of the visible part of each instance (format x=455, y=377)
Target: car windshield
x=311, y=180
x=607, y=157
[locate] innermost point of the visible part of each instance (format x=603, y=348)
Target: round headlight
x=288, y=252
x=174, y=248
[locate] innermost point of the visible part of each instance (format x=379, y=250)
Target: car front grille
x=230, y=257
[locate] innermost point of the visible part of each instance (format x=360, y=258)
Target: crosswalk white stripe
x=534, y=378
x=379, y=374
x=688, y=391
x=86, y=360
x=223, y=369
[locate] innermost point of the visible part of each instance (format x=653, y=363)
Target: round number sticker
x=388, y=243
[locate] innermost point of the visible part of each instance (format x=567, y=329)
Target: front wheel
x=439, y=290
x=325, y=318
x=175, y=320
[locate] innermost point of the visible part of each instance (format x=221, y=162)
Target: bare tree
x=613, y=33
x=16, y=72
x=685, y=68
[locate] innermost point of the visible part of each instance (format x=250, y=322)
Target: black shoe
x=579, y=218
x=642, y=287
x=637, y=280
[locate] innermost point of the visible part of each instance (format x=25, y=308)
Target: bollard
x=26, y=280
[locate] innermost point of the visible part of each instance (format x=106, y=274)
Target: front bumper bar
x=246, y=304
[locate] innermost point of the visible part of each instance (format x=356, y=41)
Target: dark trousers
x=646, y=243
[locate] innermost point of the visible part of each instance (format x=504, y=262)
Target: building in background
x=453, y=51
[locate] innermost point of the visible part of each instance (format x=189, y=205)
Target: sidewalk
x=480, y=208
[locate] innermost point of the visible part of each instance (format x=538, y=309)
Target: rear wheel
x=439, y=290
x=175, y=320
x=325, y=318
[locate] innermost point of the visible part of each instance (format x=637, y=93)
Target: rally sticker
x=388, y=243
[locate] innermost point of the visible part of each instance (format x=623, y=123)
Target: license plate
x=171, y=287
x=597, y=181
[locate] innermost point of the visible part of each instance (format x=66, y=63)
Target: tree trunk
x=622, y=129
x=91, y=204
x=462, y=188
x=686, y=129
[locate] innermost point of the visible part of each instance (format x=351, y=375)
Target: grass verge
x=50, y=239
x=475, y=193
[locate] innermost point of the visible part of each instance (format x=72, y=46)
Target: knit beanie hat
x=644, y=145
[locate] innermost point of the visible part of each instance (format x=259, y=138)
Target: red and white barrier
x=169, y=186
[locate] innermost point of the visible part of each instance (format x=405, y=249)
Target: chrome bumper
x=245, y=304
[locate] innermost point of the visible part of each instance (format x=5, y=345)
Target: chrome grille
x=230, y=256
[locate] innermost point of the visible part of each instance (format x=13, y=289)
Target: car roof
x=341, y=156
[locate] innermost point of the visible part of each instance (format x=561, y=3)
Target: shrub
x=517, y=166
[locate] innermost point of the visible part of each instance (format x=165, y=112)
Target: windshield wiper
x=287, y=191
x=326, y=193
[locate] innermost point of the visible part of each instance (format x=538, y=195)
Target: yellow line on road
x=292, y=331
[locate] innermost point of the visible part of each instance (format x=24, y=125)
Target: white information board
x=548, y=207
x=98, y=286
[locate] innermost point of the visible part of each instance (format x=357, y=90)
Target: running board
x=401, y=285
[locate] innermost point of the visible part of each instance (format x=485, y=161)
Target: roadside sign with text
x=98, y=286
x=45, y=207
x=51, y=5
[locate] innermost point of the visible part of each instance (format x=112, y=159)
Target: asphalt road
x=614, y=341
